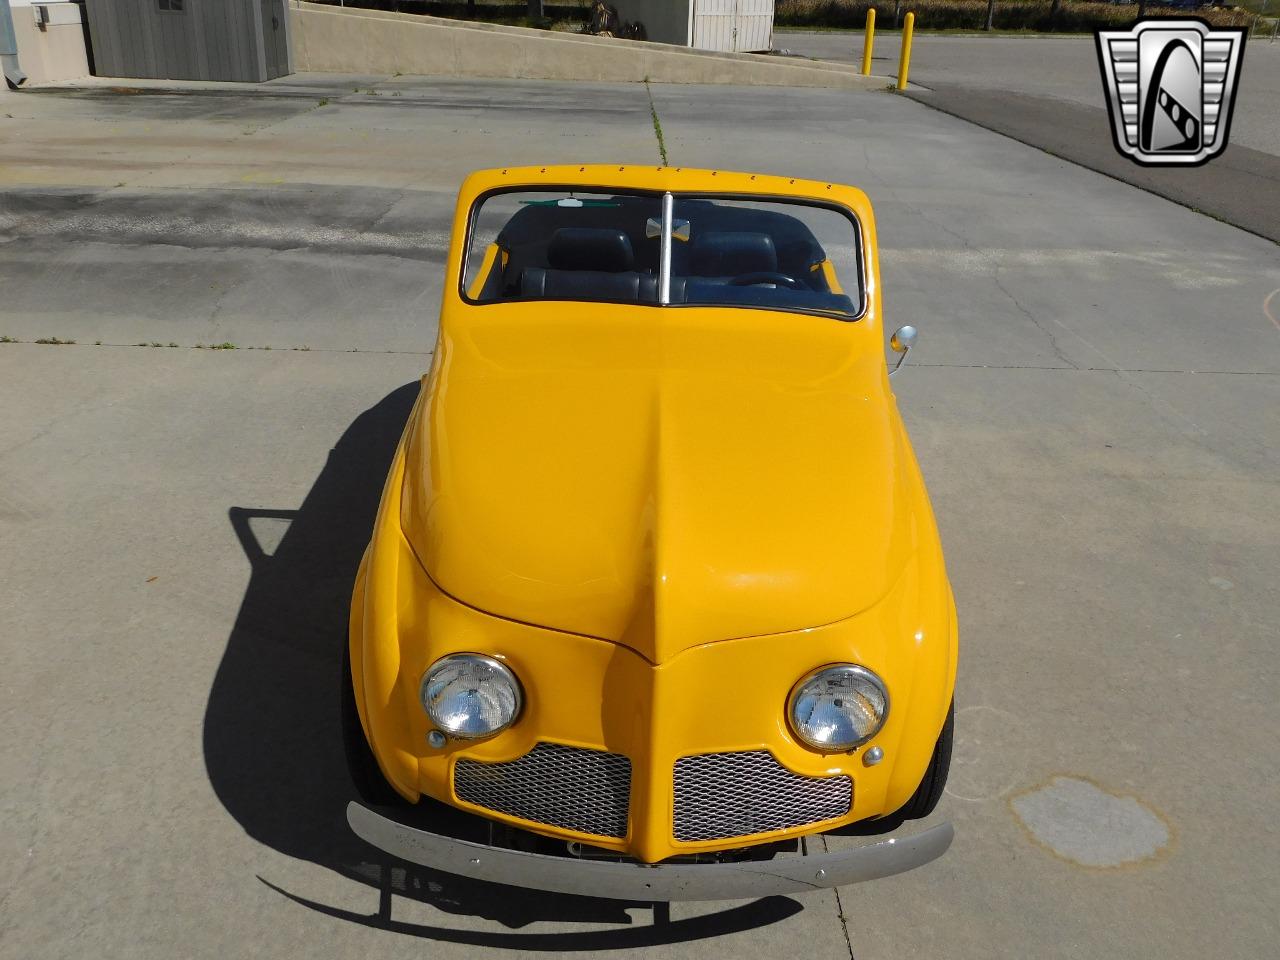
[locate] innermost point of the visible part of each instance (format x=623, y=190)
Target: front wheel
x=930, y=790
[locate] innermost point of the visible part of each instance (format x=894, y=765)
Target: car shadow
x=272, y=734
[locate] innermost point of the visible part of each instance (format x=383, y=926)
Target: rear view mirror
x=679, y=229
x=903, y=339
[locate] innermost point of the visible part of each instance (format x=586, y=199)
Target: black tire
x=931, y=787
x=367, y=777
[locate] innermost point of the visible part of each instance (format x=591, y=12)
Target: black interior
x=730, y=253
x=602, y=250
x=590, y=248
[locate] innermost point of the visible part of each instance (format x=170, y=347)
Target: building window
x=172, y=6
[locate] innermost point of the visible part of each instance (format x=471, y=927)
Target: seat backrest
x=590, y=248
x=732, y=254
x=626, y=287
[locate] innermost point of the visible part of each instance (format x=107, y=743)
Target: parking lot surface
x=1047, y=92
x=1062, y=68
x=1093, y=401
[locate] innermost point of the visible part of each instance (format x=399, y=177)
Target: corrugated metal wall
x=733, y=26
x=755, y=25
x=241, y=40
x=713, y=24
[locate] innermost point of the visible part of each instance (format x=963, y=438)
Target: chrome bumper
x=633, y=881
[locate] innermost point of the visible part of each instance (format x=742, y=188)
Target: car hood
x=660, y=478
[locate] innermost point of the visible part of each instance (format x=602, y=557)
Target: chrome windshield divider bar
x=664, y=261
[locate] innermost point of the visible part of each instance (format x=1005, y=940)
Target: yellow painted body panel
x=491, y=255
x=696, y=506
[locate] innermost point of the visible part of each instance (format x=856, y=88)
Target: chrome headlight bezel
x=862, y=674
x=497, y=668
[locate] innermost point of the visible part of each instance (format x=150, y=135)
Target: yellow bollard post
x=904, y=62
x=868, y=41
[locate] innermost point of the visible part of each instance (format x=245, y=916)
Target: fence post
x=868, y=41
x=904, y=62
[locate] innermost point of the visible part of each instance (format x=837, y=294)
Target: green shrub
x=972, y=14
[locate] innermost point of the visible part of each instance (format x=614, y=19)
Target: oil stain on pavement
x=1082, y=823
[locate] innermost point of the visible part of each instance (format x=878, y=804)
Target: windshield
x=665, y=250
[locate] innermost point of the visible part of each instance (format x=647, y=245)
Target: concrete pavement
x=1045, y=67
x=1092, y=401
x=1046, y=92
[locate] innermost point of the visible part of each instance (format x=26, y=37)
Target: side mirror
x=904, y=338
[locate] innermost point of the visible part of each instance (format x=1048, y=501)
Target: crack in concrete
x=1053, y=341
x=984, y=256
x=844, y=921
x=1162, y=408
x=657, y=124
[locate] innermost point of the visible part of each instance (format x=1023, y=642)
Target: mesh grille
x=584, y=790
x=720, y=795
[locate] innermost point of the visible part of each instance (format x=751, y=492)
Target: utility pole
x=991, y=12
x=535, y=9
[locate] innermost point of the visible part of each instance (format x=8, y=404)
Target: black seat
x=732, y=254
x=590, y=248
x=626, y=287
x=589, y=263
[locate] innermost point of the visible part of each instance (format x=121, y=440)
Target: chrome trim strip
x=664, y=255
x=641, y=882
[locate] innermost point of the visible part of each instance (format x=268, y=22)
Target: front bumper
x=643, y=882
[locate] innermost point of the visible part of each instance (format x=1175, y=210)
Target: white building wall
x=728, y=26
x=53, y=50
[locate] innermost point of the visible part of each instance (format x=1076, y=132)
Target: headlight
x=837, y=708
x=469, y=696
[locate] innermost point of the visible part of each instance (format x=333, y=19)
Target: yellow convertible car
x=655, y=586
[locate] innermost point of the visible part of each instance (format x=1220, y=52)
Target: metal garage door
x=733, y=26
x=713, y=24
x=241, y=40
x=755, y=25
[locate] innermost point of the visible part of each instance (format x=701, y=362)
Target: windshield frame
x=667, y=200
